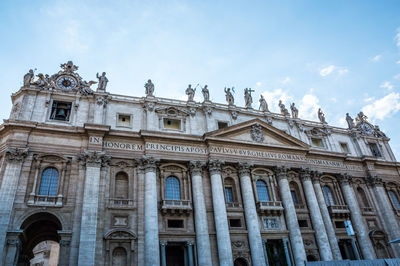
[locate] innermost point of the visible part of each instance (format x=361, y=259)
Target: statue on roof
x=28, y=78
x=206, y=93
x=321, y=116
x=284, y=111
x=295, y=111
x=103, y=80
x=229, y=96
x=190, y=93
x=149, y=88
x=361, y=117
x=248, y=100
x=263, y=104
x=350, y=121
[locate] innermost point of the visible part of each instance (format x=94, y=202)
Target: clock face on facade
x=66, y=82
x=366, y=128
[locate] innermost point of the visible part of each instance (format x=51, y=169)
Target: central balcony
x=119, y=203
x=176, y=207
x=339, y=211
x=269, y=207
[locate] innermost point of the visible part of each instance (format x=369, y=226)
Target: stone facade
x=120, y=180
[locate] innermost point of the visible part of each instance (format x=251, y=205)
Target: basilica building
x=127, y=180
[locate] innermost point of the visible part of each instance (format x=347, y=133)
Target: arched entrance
x=37, y=228
x=240, y=262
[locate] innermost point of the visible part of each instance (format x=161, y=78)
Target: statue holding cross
x=247, y=97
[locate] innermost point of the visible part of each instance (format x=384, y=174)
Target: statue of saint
x=102, y=82
x=248, y=100
x=295, y=111
x=350, y=121
x=263, y=104
x=229, y=96
x=28, y=78
x=206, y=93
x=41, y=82
x=378, y=133
x=149, y=88
x=190, y=93
x=361, y=117
x=284, y=111
x=321, y=116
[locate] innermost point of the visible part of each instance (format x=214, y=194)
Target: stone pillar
x=14, y=160
x=12, y=248
x=356, y=218
x=99, y=109
x=292, y=223
x=330, y=231
x=163, y=244
x=316, y=217
x=386, y=211
x=285, y=242
x=189, y=245
x=200, y=216
x=140, y=232
x=152, y=250
x=151, y=118
x=220, y=217
x=253, y=226
x=87, y=246
x=210, y=122
x=65, y=245
x=264, y=243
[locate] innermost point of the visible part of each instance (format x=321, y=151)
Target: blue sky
x=342, y=56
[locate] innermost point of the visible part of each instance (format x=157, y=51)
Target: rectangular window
x=235, y=223
x=303, y=223
x=124, y=120
x=375, y=150
x=294, y=196
x=60, y=111
x=175, y=223
x=317, y=143
x=222, y=124
x=340, y=224
x=172, y=123
x=344, y=147
x=228, y=194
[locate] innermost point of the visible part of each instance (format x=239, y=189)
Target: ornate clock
x=366, y=128
x=66, y=82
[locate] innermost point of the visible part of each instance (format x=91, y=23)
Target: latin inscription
x=175, y=148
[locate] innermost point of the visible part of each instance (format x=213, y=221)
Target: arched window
x=262, y=191
x=49, y=182
x=329, y=198
x=121, y=186
x=362, y=197
x=229, y=190
x=119, y=257
x=395, y=199
x=172, y=188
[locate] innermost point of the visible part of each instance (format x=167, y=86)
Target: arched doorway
x=240, y=262
x=37, y=228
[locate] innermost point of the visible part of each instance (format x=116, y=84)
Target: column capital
x=305, y=174
x=344, y=178
x=94, y=158
x=16, y=154
x=214, y=166
x=373, y=180
x=163, y=243
x=149, y=164
x=196, y=167
x=281, y=172
x=315, y=175
x=244, y=169
x=189, y=243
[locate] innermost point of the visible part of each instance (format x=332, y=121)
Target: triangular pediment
x=256, y=132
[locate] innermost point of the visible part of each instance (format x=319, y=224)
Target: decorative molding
x=305, y=174
x=281, y=172
x=244, y=169
x=149, y=164
x=344, y=178
x=16, y=154
x=256, y=133
x=102, y=100
x=94, y=158
x=196, y=167
x=214, y=166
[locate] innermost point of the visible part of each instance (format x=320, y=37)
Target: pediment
x=256, y=132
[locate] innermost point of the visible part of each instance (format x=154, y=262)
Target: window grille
x=262, y=191
x=172, y=188
x=49, y=182
x=330, y=200
x=228, y=194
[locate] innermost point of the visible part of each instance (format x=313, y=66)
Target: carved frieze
x=256, y=133
x=16, y=154
x=94, y=158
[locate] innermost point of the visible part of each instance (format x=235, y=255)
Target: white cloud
x=384, y=107
x=286, y=80
x=342, y=122
x=387, y=85
x=398, y=62
x=396, y=76
x=308, y=107
x=273, y=97
x=397, y=38
x=376, y=58
x=258, y=84
x=331, y=69
x=369, y=99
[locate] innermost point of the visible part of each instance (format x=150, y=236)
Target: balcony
x=119, y=203
x=233, y=205
x=300, y=208
x=269, y=207
x=367, y=211
x=339, y=211
x=176, y=207
x=39, y=200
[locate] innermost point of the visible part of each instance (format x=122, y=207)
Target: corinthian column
x=221, y=220
x=299, y=253
x=87, y=247
x=14, y=160
x=200, y=215
x=253, y=227
x=316, y=217
x=357, y=220
x=385, y=211
x=152, y=251
x=326, y=218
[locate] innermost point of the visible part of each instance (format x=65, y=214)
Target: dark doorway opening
x=175, y=255
x=276, y=252
x=346, y=249
x=240, y=262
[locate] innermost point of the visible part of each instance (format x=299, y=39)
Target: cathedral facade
x=121, y=180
